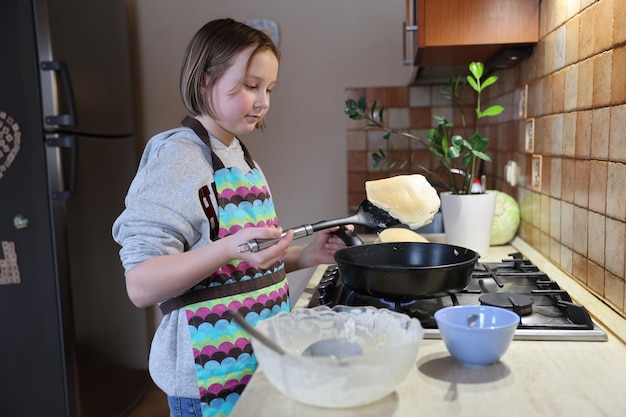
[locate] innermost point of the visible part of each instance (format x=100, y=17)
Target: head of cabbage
x=506, y=219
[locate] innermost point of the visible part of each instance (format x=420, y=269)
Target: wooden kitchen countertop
x=534, y=378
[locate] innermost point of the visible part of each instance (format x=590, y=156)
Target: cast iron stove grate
x=550, y=314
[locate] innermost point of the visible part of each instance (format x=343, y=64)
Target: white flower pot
x=468, y=219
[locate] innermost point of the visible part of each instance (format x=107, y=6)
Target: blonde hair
x=210, y=53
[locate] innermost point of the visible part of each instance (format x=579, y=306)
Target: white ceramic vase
x=468, y=219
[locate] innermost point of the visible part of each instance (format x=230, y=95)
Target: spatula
x=367, y=215
x=335, y=347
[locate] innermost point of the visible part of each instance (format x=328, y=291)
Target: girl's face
x=238, y=105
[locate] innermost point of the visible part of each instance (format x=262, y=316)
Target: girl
x=197, y=197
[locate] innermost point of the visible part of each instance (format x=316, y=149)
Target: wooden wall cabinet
x=456, y=32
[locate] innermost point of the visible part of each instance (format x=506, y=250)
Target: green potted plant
x=458, y=156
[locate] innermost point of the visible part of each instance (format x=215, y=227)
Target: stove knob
x=326, y=292
x=331, y=275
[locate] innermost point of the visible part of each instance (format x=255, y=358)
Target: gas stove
x=547, y=312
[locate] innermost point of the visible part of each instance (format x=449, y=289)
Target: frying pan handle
x=348, y=236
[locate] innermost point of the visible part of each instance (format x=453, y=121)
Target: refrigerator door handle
x=69, y=119
x=68, y=142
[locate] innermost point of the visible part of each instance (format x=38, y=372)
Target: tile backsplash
x=575, y=89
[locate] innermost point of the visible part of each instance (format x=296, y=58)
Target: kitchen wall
x=576, y=94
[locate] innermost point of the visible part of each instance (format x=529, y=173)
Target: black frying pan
x=406, y=269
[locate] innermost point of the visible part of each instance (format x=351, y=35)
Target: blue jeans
x=184, y=407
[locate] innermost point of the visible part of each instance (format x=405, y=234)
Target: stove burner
x=519, y=303
x=548, y=311
x=421, y=308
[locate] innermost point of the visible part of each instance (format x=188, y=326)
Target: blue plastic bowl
x=482, y=343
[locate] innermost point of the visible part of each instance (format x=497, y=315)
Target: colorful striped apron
x=222, y=351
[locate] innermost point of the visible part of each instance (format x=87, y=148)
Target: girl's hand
x=322, y=249
x=265, y=257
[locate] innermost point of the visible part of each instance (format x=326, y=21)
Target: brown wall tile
x=580, y=230
x=356, y=181
x=617, y=134
x=603, y=25
x=398, y=97
x=569, y=134
x=595, y=277
x=586, y=42
x=567, y=224
x=614, y=251
x=546, y=175
x=390, y=97
x=357, y=161
x=579, y=267
x=572, y=40
x=619, y=23
x=568, y=179
x=602, y=79
x=585, y=83
x=618, y=75
x=581, y=182
x=567, y=259
x=356, y=140
x=555, y=251
x=556, y=177
x=614, y=289
x=616, y=201
x=600, y=127
x=583, y=133
x=597, y=237
x=558, y=92
x=544, y=215
x=570, y=101
x=420, y=117
x=598, y=172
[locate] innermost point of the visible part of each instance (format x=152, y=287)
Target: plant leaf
x=473, y=83
x=436, y=151
x=435, y=136
x=454, y=152
x=490, y=80
x=481, y=155
x=479, y=143
x=476, y=68
x=362, y=103
x=492, y=111
x=458, y=140
x=373, y=111
x=467, y=160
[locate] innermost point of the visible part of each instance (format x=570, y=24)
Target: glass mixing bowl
x=389, y=340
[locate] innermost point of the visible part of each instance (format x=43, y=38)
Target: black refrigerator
x=71, y=343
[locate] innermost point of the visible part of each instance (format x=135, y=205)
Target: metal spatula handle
x=367, y=215
x=255, y=245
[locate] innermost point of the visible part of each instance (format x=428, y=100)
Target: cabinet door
x=446, y=28
x=478, y=22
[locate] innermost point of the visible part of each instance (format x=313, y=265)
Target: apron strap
x=204, y=194
x=195, y=125
x=219, y=291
